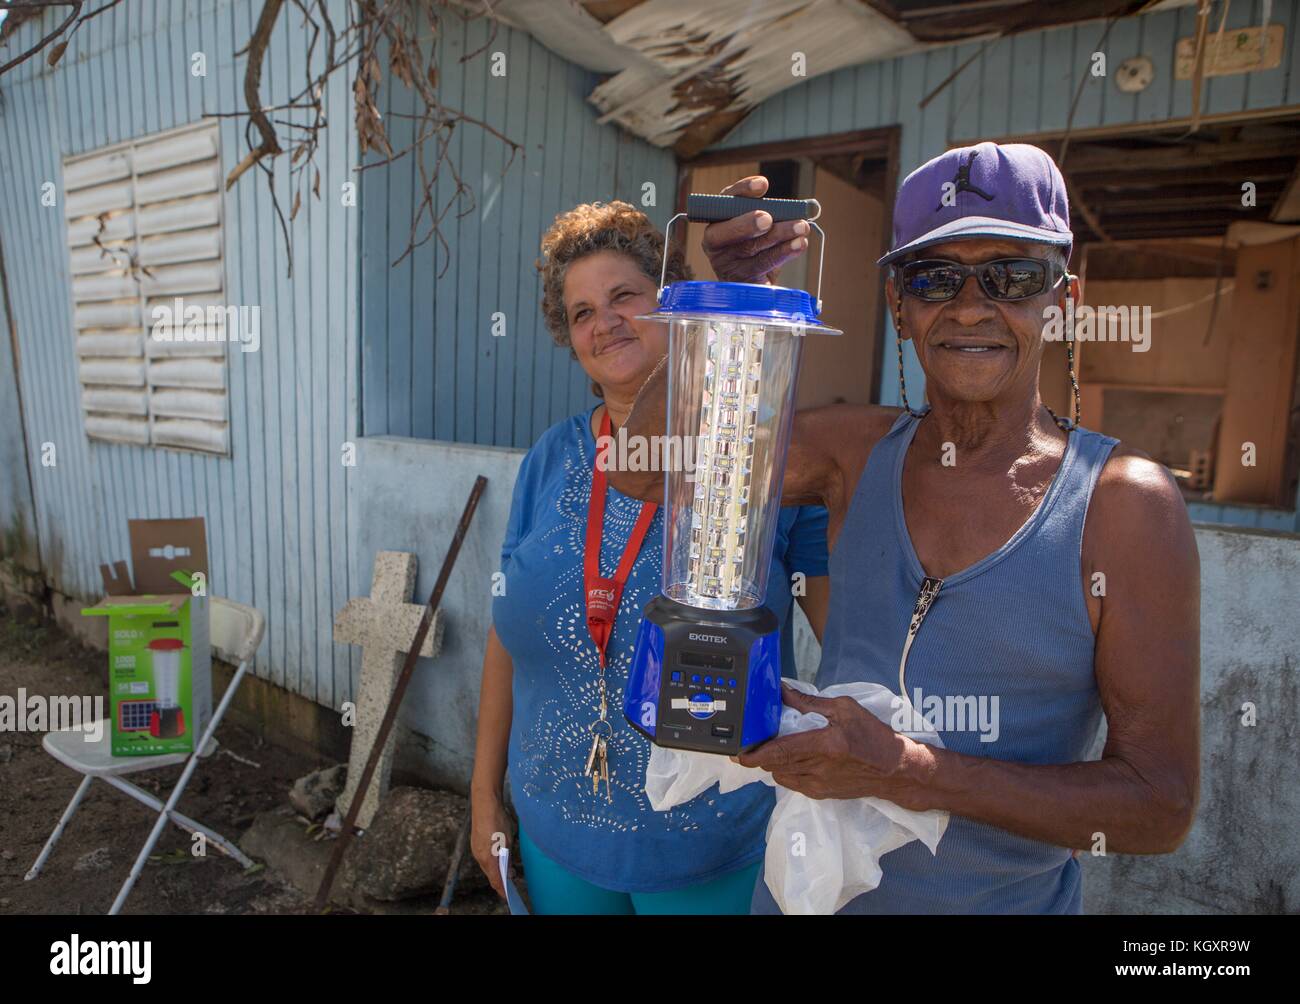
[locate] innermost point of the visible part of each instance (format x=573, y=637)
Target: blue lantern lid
x=747, y=299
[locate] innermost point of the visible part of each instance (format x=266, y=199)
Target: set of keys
x=600, y=749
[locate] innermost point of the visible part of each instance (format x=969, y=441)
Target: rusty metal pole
x=390, y=714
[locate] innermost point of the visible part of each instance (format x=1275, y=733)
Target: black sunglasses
x=936, y=280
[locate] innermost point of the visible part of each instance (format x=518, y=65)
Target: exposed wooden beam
x=1208, y=253
x=1158, y=217
x=1080, y=207
x=1211, y=188
x=1093, y=158
x=1287, y=207
x=955, y=22
x=959, y=8
x=871, y=142
x=605, y=11
x=1191, y=226
x=1229, y=201
x=1247, y=170
x=1144, y=130
x=704, y=130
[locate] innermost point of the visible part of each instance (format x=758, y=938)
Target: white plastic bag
x=821, y=853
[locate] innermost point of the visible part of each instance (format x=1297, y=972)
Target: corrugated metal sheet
x=742, y=53
x=431, y=366
x=278, y=523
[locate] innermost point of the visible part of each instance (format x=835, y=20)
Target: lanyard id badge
x=602, y=596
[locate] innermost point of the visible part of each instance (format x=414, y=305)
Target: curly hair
x=591, y=228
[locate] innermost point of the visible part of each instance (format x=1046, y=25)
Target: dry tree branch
x=30, y=10
x=377, y=31
x=269, y=146
x=20, y=13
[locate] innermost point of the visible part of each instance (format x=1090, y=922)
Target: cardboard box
x=160, y=659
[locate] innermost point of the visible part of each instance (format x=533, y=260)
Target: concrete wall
x=410, y=494
x=1243, y=854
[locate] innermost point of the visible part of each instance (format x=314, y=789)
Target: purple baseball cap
x=989, y=190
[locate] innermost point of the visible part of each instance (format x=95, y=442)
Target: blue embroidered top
x=541, y=621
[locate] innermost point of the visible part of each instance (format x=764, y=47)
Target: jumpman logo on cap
x=961, y=181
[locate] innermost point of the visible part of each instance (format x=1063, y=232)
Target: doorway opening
x=1194, y=238
x=853, y=176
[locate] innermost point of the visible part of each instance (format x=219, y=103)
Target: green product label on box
x=160, y=663
x=150, y=683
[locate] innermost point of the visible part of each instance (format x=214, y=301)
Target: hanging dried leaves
x=381, y=35
x=21, y=13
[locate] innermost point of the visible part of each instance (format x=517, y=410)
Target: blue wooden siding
x=17, y=518
x=278, y=525
x=1021, y=86
x=431, y=367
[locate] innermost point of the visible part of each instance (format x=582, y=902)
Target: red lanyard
x=603, y=595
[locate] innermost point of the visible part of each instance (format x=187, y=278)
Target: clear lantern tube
x=730, y=406
x=166, y=672
x=725, y=457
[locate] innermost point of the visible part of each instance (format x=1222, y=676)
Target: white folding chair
x=236, y=632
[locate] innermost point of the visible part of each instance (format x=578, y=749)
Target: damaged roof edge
x=683, y=73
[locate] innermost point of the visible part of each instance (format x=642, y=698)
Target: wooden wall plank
x=1228, y=93
x=1027, y=83
x=1267, y=89
x=1124, y=42
x=472, y=296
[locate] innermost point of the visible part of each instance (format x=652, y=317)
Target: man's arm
x=828, y=449
x=1142, y=793
x=816, y=603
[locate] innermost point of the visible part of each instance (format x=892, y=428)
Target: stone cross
x=384, y=625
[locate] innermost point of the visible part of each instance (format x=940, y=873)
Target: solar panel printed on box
x=133, y=716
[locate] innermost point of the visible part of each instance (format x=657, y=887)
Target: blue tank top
x=1013, y=626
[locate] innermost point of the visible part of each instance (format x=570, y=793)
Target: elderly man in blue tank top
x=1045, y=573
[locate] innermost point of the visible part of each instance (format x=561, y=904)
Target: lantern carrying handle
x=715, y=208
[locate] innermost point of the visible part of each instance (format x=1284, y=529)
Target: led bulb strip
x=728, y=418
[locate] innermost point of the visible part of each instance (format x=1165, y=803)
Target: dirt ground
x=96, y=852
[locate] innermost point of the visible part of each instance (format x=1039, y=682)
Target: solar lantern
x=706, y=668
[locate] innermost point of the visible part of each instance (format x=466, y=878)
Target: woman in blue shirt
x=605, y=850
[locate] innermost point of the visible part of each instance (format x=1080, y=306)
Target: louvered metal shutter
x=144, y=230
